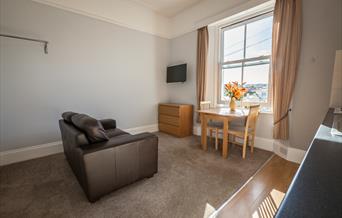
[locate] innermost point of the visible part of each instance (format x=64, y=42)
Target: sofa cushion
x=117, y=141
x=67, y=116
x=92, y=127
x=108, y=123
x=115, y=132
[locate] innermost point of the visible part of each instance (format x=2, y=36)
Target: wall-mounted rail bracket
x=28, y=39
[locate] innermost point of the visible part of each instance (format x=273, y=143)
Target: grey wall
x=110, y=71
x=183, y=50
x=322, y=36
x=92, y=67
x=322, y=23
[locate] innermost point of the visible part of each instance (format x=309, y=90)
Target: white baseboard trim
x=264, y=143
x=36, y=151
x=295, y=155
x=32, y=152
x=280, y=148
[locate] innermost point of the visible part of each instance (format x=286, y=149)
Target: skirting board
x=32, y=152
x=278, y=147
x=36, y=151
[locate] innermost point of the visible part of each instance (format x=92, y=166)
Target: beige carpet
x=188, y=178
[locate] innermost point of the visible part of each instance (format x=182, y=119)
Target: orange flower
x=237, y=94
x=228, y=87
x=233, y=89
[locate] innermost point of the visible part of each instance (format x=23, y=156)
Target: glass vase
x=232, y=104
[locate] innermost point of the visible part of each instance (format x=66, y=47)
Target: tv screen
x=176, y=73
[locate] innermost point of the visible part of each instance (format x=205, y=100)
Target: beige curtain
x=202, y=54
x=286, y=37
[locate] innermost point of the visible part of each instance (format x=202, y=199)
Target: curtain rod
x=28, y=39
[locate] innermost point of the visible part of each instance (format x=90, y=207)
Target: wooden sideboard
x=175, y=119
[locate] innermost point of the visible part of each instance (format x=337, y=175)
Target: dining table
x=223, y=114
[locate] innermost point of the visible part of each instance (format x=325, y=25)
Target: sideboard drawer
x=171, y=111
x=173, y=130
x=174, y=121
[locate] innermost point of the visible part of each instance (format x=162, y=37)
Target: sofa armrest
x=108, y=123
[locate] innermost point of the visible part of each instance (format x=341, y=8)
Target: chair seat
x=215, y=124
x=238, y=122
x=238, y=130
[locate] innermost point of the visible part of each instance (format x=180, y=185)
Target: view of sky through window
x=246, y=57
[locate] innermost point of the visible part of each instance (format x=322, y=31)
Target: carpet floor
x=187, y=179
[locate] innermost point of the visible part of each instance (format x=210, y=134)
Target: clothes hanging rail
x=28, y=39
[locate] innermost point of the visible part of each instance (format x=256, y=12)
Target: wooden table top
x=225, y=111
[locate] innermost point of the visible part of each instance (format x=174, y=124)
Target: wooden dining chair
x=212, y=125
x=245, y=132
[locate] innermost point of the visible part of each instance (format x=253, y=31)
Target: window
x=245, y=58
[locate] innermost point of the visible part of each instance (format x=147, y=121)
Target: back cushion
x=92, y=127
x=67, y=116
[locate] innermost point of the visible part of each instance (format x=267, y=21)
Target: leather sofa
x=102, y=166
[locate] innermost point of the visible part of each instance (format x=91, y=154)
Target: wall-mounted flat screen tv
x=176, y=73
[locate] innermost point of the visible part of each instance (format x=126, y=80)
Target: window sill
x=266, y=112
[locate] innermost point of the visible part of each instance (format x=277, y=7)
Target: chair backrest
x=205, y=105
x=252, y=116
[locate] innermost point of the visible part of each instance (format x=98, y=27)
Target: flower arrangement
x=235, y=90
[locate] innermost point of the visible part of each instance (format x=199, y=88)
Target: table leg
x=204, y=131
x=225, y=139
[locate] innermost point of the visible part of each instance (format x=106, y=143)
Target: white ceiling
x=168, y=8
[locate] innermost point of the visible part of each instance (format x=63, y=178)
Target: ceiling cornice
x=144, y=19
x=147, y=25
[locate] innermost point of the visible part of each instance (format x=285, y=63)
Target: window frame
x=221, y=29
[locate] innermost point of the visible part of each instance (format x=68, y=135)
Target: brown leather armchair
x=105, y=166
